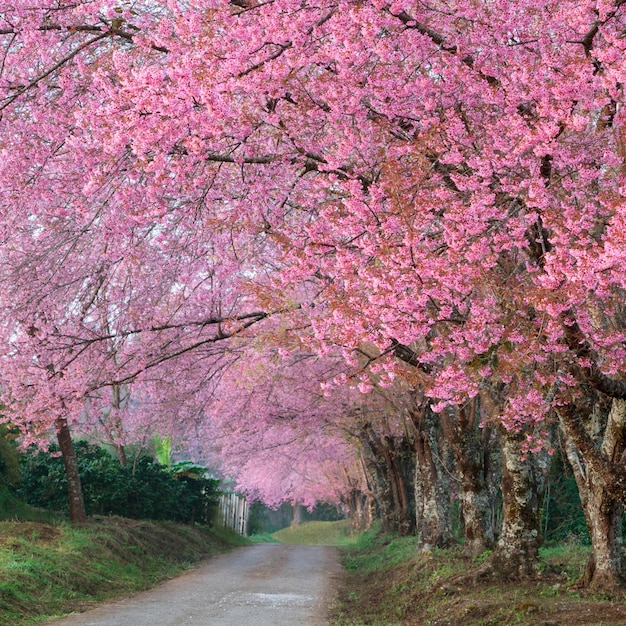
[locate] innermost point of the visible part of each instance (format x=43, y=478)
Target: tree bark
x=121, y=454
x=389, y=466
x=9, y=459
x=524, y=479
x=360, y=514
x=432, y=483
x=298, y=515
x=478, y=463
x=378, y=484
x=603, y=512
x=117, y=426
x=401, y=462
x=74, y=488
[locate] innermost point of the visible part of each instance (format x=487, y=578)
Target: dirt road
x=261, y=585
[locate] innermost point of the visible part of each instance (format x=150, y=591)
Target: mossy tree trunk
x=603, y=512
x=432, y=483
x=478, y=464
x=524, y=477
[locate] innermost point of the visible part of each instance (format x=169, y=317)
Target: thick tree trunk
x=603, y=513
x=478, y=504
x=478, y=463
x=523, y=482
x=121, y=454
x=432, y=486
x=298, y=515
x=74, y=488
x=604, y=570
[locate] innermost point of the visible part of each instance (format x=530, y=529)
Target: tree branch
x=282, y=47
x=578, y=344
x=209, y=321
x=21, y=90
x=612, y=474
x=410, y=22
x=408, y=355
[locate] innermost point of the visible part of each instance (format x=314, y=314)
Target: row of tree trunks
x=411, y=481
x=480, y=473
x=389, y=466
x=475, y=443
x=474, y=473
x=459, y=450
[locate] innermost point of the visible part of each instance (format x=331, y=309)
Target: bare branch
x=282, y=47
x=209, y=321
x=220, y=336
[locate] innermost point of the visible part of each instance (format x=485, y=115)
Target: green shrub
x=9, y=458
x=142, y=490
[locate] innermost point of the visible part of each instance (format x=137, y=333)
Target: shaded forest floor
x=387, y=584
x=49, y=569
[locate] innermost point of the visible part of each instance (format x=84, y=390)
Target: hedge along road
x=260, y=585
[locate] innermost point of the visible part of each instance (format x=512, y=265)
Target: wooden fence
x=233, y=512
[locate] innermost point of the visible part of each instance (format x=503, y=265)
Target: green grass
x=228, y=537
x=388, y=583
x=263, y=538
x=13, y=508
x=374, y=552
x=317, y=534
x=47, y=570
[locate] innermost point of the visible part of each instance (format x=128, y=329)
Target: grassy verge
x=387, y=584
x=263, y=538
x=13, y=508
x=317, y=534
x=49, y=569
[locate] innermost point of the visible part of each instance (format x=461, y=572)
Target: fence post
x=233, y=512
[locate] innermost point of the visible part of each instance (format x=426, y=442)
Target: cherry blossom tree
x=280, y=437
x=446, y=178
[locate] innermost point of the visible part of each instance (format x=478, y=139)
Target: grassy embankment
x=48, y=568
x=388, y=584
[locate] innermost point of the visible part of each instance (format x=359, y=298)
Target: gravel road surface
x=260, y=585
